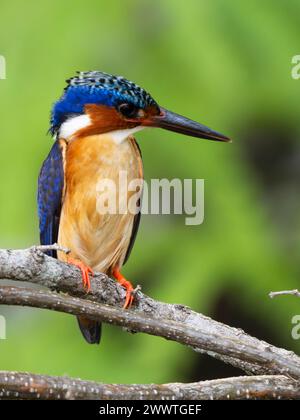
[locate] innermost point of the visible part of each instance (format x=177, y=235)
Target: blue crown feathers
x=95, y=87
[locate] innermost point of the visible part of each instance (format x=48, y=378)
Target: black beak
x=174, y=122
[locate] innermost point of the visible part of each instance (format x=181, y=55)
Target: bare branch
x=16, y=385
x=294, y=292
x=173, y=322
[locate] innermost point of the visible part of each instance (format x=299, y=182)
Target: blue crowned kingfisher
x=93, y=125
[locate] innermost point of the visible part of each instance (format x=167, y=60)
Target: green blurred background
x=225, y=63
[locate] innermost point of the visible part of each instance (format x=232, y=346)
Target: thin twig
x=16, y=385
x=54, y=247
x=294, y=292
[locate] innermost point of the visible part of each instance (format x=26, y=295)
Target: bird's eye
x=128, y=110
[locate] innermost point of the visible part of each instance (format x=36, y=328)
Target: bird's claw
x=129, y=295
x=85, y=272
x=127, y=285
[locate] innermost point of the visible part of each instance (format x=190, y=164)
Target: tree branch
x=294, y=292
x=104, y=302
x=16, y=385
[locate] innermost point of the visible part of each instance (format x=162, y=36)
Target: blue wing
x=50, y=191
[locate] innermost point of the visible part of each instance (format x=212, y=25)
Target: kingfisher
x=93, y=124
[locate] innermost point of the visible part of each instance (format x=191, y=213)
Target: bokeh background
x=225, y=63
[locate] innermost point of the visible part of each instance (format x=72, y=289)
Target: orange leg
x=85, y=272
x=128, y=286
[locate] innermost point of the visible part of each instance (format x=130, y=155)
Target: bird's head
x=95, y=103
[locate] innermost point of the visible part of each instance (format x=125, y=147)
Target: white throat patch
x=74, y=124
x=119, y=136
x=69, y=127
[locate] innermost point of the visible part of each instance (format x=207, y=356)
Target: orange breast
x=99, y=240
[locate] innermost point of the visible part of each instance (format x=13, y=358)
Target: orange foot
x=85, y=272
x=128, y=286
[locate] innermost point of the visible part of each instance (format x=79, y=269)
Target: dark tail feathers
x=91, y=330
